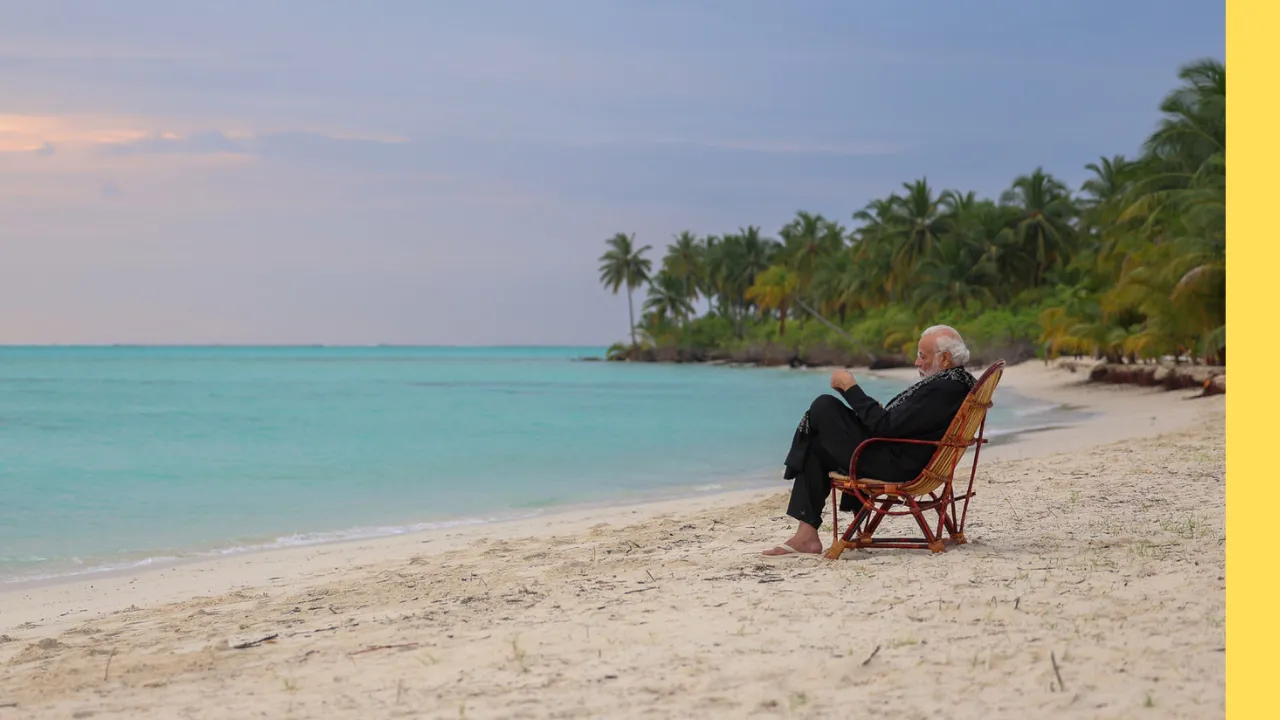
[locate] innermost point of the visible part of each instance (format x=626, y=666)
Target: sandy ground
x=1092, y=587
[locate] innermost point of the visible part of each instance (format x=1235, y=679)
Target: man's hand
x=842, y=380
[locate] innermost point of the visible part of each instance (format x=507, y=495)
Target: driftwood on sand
x=1210, y=379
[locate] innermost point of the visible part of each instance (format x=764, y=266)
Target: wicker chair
x=931, y=491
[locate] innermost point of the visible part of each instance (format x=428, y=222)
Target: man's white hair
x=949, y=341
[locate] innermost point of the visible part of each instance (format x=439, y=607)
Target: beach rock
x=1216, y=385
x=666, y=354
x=823, y=355
x=775, y=356
x=886, y=362
x=719, y=355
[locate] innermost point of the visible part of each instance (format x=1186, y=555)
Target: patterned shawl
x=959, y=374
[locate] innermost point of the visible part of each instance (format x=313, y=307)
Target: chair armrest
x=853, y=462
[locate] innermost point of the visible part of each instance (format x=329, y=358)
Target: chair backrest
x=960, y=433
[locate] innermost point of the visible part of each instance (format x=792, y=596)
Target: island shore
x=1092, y=586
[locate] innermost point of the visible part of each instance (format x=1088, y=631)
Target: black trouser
x=833, y=432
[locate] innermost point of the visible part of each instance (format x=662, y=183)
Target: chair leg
x=956, y=536
x=951, y=522
x=839, y=543
x=933, y=541
x=881, y=514
x=942, y=526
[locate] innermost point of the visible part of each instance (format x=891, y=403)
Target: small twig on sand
x=873, y=654
x=9, y=705
x=640, y=590
x=253, y=643
x=651, y=577
x=373, y=648
x=1016, y=602
x=1054, y=660
x=317, y=630
x=107, y=671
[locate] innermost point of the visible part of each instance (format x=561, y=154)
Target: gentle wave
x=280, y=543
x=1038, y=409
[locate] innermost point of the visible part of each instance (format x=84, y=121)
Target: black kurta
x=830, y=432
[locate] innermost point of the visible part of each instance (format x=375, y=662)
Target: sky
x=446, y=173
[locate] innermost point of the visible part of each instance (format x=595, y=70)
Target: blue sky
x=447, y=172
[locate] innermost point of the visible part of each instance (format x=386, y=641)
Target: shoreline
x=667, y=605
x=1109, y=415
x=1171, y=376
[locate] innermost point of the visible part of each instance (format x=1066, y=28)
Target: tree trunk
x=631, y=315
x=685, y=321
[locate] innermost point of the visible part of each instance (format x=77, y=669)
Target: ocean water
x=120, y=456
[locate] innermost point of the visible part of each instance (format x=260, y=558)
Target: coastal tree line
x=1130, y=266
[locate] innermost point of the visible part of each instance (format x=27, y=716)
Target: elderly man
x=829, y=432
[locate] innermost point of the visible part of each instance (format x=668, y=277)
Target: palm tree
x=624, y=264
x=807, y=242
x=1195, y=123
x=873, y=250
x=1044, y=229
x=775, y=289
x=958, y=274
x=667, y=298
x=684, y=260
x=918, y=221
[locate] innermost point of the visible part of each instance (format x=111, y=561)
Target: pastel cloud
x=220, y=142
x=31, y=133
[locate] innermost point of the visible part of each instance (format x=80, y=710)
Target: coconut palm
x=684, y=261
x=808, y=241
x=666, y=298
x=776, y=289
x=918, y=222
x=1044, y=227
x=625, y=264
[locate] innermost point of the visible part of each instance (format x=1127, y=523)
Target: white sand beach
x=1092, y=587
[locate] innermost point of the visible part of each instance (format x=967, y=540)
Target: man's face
x=928, y=360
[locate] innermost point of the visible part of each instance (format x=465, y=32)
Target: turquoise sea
x=119, y=456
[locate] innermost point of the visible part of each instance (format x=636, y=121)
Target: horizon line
x=298, y=345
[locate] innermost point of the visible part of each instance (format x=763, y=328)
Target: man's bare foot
x=804, y=542
x=796, y=546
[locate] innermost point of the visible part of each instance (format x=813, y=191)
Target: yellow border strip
x=1253, y=264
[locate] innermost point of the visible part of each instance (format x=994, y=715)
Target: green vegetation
x=1130, y=267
